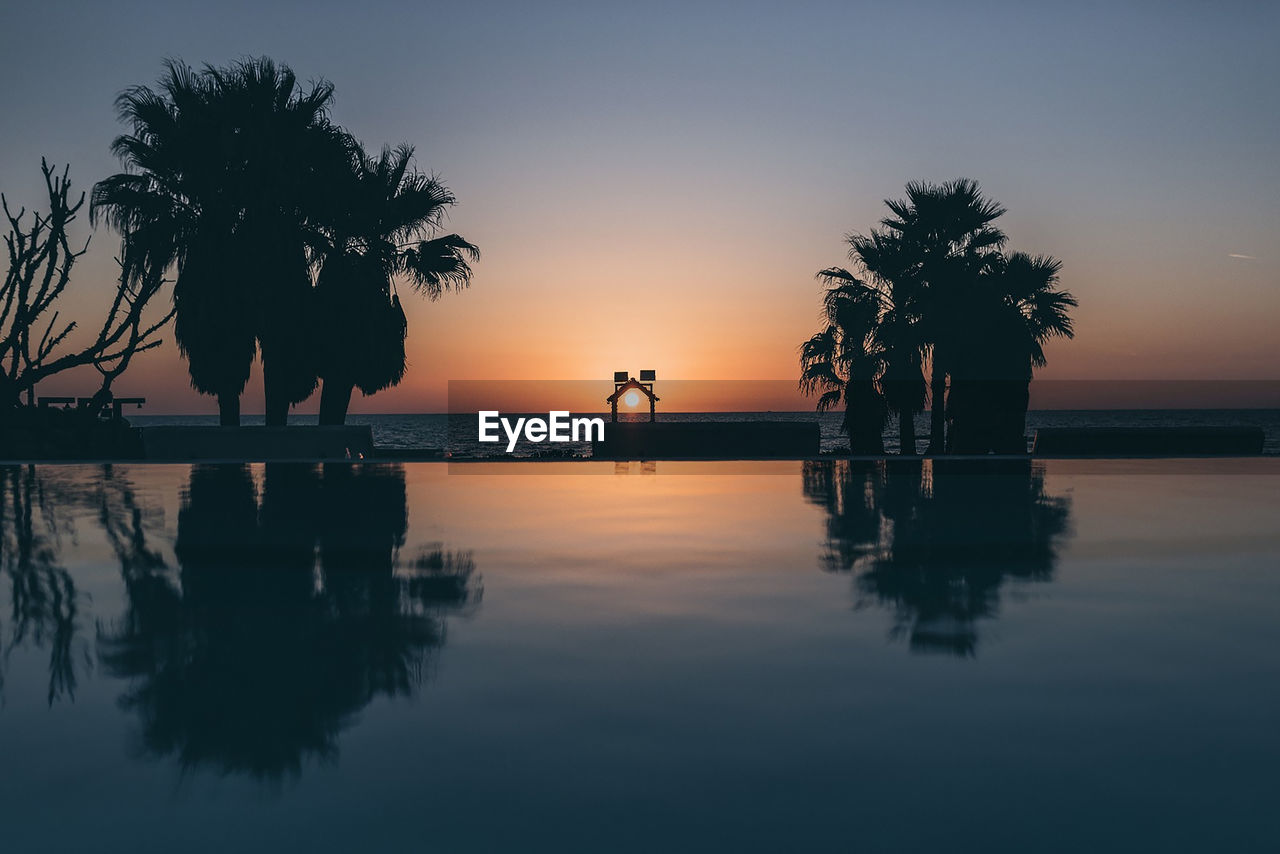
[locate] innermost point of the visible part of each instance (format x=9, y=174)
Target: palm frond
x=441, y=264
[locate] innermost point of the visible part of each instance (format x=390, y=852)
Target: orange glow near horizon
x=725, y=300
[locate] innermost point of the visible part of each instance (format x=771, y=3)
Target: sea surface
x=457, y=434
x=1055, y=656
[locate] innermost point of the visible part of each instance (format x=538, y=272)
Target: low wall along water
x=257, y=444
x=709, y=440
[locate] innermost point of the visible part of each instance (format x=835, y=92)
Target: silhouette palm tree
x=1029, y=284
x=893, y=292
x=225, y=171
x=382, y=233
x=287, y=157
x=844, y=362
x=903, y=377
x=946, y=294
x=998, y=342
x=942, y=238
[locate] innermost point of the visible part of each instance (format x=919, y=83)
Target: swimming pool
x=1068, y=655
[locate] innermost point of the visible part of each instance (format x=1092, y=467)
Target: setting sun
x=631, y=398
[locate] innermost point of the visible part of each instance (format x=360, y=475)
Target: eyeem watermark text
x=558, y=426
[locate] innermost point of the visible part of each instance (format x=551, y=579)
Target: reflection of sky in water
x=762, y=655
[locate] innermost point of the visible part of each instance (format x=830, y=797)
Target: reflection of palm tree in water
x=936, y=544
x=259, y=654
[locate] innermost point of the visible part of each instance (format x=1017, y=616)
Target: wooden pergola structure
x=624, y=382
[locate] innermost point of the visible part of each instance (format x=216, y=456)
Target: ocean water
x=1055, y=656
x=456, y=434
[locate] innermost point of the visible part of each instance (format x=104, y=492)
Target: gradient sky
x=654, y=185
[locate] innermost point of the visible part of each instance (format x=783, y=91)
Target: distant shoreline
x=506, y=460
x=213, y=416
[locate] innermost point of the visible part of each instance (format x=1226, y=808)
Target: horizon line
x=214, y=414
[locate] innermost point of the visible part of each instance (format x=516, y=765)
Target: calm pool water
x=674, y=657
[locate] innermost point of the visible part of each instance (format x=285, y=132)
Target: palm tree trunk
x=277, y=412
x=907, y=433
x=277, y=402
x=863, y=422
x=335, y=398
x=937, y=410
x=229, y=409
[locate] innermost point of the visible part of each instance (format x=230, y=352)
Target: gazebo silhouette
x=624, y=382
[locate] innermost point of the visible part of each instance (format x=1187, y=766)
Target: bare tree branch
x=41, y=260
